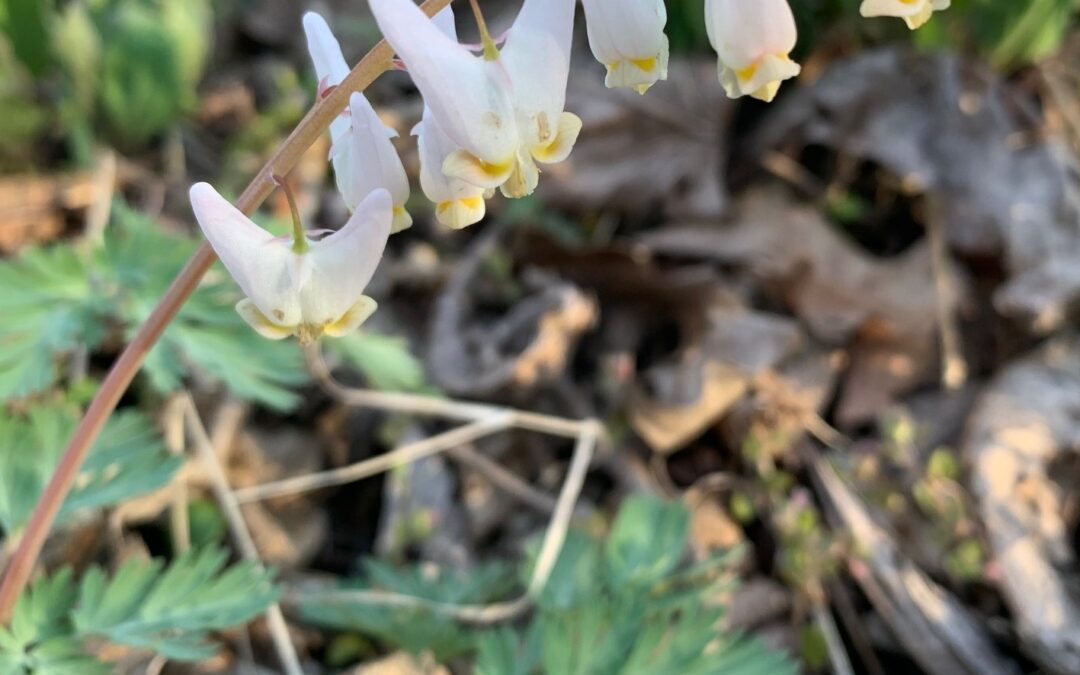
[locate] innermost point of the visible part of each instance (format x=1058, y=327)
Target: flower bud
x=627, y=36
x=753, y=39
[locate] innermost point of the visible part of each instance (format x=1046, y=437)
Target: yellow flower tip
x=458, y=214
x=350, y=320
x=475, y=171
x=916, y=21
x=761, y=79
x=261, y=323
x=559, y=146
x=523, y=179
x=306, y=333
x=402, y=220
x=767, y=93
x=637, y=74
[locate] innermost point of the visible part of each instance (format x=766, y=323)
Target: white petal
x=537, y=58
x=330, y=65
x=743, y=32
x=468, y=95
x=344, y=262
x=434, y=147
x=365, y=158
x=259, y=263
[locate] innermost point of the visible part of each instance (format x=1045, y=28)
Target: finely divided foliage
x=626, y=605
x=169, y=609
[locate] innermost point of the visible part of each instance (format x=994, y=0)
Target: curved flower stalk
x=753, y=39
x=363, y=155
x=457, y=204
x=627, y=36
x=296, y=285
x=914, y=12
x=503, y=110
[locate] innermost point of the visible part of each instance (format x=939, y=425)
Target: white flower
x=753, y=39
x=914, y=12
x=294, y=285
x=457, y=204
x=362, y=152
x=628, y=37
x=504, y=110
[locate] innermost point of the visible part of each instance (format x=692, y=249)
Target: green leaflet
x=168, y=608
x=126, y=461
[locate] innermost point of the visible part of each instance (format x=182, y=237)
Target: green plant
x=128, y=460
x=123, y=70
x=146, y=604
x=622, y=605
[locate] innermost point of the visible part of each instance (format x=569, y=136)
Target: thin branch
x=552, y=544
x=503, y=479
x=375, y=465
x=123, y=371
x=954, y=370
x=275, y=621
x=437, y=407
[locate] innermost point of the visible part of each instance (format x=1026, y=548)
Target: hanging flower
x=298, y=285
x=457, y=204
x=363, y=155
x=504, y=110
x=753, y=39
x=914, y=12
x=627, y=36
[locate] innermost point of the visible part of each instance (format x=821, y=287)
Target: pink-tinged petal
x=344, y=262
x=259, y=264
x=467, y=95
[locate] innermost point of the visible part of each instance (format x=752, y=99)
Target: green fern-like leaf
x=49, y=306
x=171, y=609
x=39, y=640
x=127, y=460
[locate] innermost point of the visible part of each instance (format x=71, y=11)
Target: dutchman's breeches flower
x=627, y=36
x=504, y=110
x=363, y=154
x=753, y=39
x=457, y=204
x=298, y=286
x=914, y=12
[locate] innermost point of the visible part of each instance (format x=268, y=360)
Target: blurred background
x=831, y=340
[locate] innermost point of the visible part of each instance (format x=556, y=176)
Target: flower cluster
x=493, y=115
